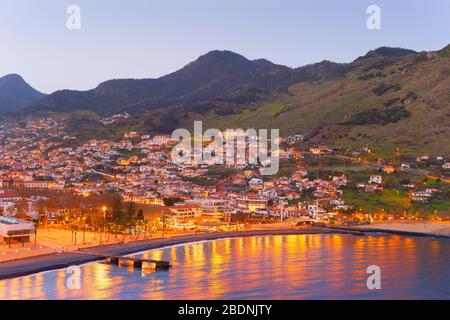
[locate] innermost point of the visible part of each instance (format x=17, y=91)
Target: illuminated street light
x=104, y=221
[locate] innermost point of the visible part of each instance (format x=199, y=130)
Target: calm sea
x=264, y=267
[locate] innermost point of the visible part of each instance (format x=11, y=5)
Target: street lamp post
x=145, y=229
x=163, y=223
x=282, y=212
x=104, y=220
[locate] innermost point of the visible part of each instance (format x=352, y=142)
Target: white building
x=7, y=203
x=15, y=229
x=254, y=205
x=376, y=179
x=216, y=208
x=256, y=184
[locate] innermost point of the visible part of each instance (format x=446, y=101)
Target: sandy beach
x=432, y=228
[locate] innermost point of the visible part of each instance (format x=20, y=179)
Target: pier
x=138, y=262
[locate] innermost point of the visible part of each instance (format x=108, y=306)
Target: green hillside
x=390, y=98
x=404, y=104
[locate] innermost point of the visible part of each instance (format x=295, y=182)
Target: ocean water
x=262, y=267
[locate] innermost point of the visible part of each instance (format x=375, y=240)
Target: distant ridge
x=389, y=98
x=388, y=52
x=16, y=94
x=215, y=76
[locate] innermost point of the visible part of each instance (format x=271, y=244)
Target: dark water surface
x=263, y=267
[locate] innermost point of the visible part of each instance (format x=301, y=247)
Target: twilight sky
x=150, y=38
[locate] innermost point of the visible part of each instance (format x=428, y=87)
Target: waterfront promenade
x=52, y=261
x=81, y=255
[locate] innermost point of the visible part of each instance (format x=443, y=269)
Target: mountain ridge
x=214, y=75
x=16, y=94
x=390, y=98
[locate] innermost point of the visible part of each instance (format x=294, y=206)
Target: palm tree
x=74, y=229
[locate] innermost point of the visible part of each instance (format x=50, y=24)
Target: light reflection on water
x=264, y=267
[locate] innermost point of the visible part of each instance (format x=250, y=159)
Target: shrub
x=379, y=116
x=382, y=88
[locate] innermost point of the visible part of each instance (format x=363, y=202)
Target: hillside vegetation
x=390, y=98
x=404, y=104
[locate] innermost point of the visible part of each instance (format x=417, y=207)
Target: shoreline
x=408, y=228
x=54, y=261
x=392, y=232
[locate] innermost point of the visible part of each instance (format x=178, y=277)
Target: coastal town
x=54, y=187
x=221, y=159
